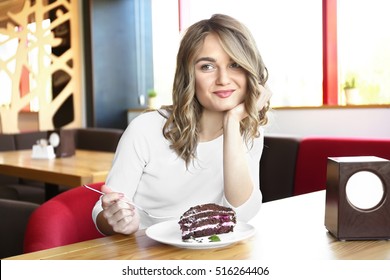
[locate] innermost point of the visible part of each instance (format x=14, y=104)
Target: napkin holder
x=343, y=219
x=42, y=151
x=63, y=142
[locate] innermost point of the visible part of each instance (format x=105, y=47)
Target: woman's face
x=220, y=83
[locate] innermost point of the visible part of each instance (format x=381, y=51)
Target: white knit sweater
x=151, y=174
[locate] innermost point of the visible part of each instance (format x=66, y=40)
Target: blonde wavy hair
x=182, y=125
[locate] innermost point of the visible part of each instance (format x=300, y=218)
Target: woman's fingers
x=119, y=212
x=106, y=189
x=122, y=217
x=128, y=224
x=240, y=112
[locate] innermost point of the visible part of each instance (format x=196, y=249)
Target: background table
x=287, y=229
x=82, y=168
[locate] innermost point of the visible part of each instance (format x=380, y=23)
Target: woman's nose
x=223, y=77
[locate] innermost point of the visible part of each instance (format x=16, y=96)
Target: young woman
x=206, y=146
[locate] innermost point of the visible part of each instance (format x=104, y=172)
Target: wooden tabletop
x=82, y=168
x=286, y=229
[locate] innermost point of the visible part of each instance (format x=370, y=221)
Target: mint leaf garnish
x=214, y=238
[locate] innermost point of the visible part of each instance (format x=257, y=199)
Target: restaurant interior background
x=102, y=57
x=91, y=63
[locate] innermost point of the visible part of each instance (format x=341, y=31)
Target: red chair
x=64, y=219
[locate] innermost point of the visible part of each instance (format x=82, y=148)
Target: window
x=289, y=35
x=364, y=49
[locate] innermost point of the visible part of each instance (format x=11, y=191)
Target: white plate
x=169, y=232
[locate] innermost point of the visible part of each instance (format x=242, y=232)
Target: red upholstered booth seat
x=313, y=153
x=64, y=219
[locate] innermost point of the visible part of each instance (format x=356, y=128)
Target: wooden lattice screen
x=40, y=64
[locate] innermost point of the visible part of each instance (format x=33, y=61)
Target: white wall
x=353, y=122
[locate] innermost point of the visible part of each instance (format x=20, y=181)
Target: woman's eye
x=235, y=65
x=207, y=67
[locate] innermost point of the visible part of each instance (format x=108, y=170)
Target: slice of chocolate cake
x=206, y=219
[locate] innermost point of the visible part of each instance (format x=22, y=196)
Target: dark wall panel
x=117, y=30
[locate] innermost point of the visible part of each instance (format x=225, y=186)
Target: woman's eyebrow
x=209, y=59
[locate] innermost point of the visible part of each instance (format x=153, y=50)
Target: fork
x=135, y=205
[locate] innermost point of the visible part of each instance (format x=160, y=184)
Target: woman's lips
x=223, y=93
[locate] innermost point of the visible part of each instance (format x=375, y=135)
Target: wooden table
x=287, y=229
x=82, y=168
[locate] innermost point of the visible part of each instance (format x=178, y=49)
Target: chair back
x=62, y=220
x=14, y=217
x=314, y=152
x=25, y=140
x=277, y=166
x=98, y=139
